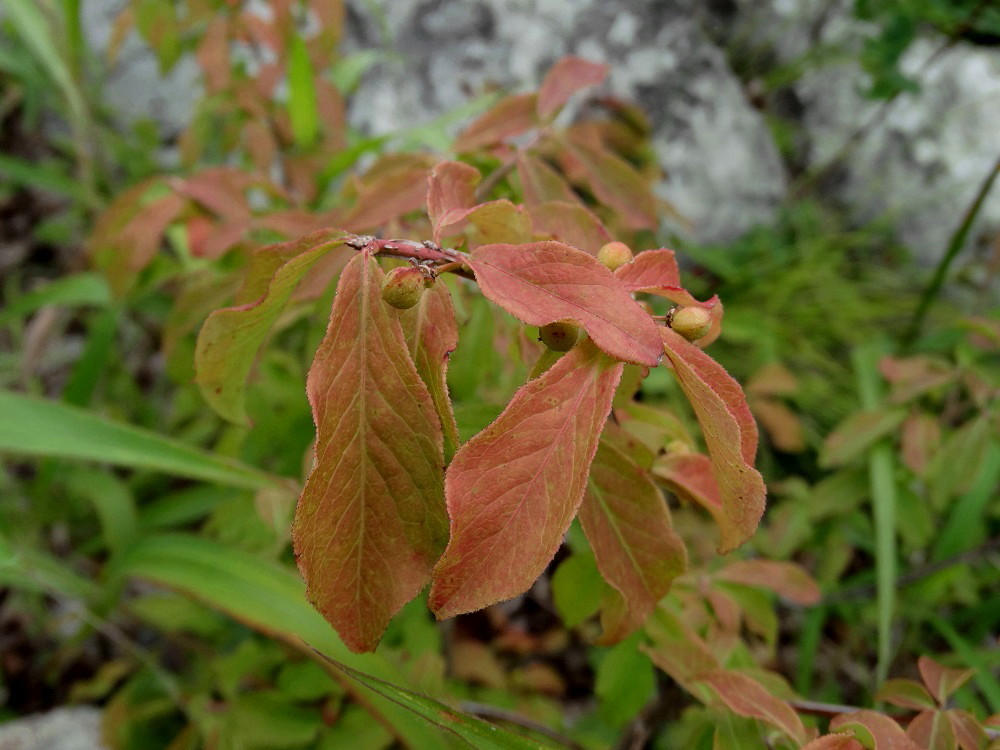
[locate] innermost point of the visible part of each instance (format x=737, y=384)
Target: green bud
x=691, y=322
x=559, y=336
x=403, y=286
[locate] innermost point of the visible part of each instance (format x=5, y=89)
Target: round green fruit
x=403, y=286
x=614, y=255
x=559, y=336
x=691, y=322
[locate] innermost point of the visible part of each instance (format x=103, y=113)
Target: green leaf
x=72, y=291
x=856, y=434
x=625, y=681
x=35, y=427
x=576, y=589
x=302, y=107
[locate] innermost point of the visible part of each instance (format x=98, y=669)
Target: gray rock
x=76, y=728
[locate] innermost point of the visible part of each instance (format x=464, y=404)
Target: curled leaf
x=874, y=730
x=510, y=116
x=451, y=189
x=371, y=519
x=543, y=282
x=513, y=489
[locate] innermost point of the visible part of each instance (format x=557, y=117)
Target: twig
x=954, y=248
x=485, y=711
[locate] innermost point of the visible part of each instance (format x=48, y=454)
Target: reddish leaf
x=677, y=649
x=746, y=697
x=942, y=681
x=431, y=336
x=617, y=184
x=690, y=477
x=852, y=437
x=883, y=732
x=543, y=282
x=837, y=741
x=213, y=55
x=391, y=192
x=513, y=489
x=932, y=730
x=914, y=376
x=781, y=424
x=565, y=78
x=628, y=525
x=495, y=221
x=371, y=519
x=920, y=442
x=969, y=733
x=541, y=183
x=229, y=340
x=450, y=187
x=650, y=269
x=783, y=578
x=510, y=116
x=730, y=435
x=141, y=237
x=906, y=694
x=571, y=223
x=220, y=190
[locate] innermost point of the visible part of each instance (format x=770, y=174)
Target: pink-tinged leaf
x=142, y=236
x=213, y=55
x=906, y=694
x=393, y=191
x=920, y=442
x=783, y=578
x=431, y=336
x=513, y=489
x=969, y=733
x=932, y=730
x=371, y=520
x=914, y=376
x=942, y=681
x=745, y=696
x=691, y=478
x=228, y=342
x=837, y=741
x=565, y=78
x=781, y=424
x=874, y=730
x=852, y=437
x=617, y=184
x=571, y=223
x=627, y=522
x=541, y=183
x=220, y=190
x=450, y=187
x=495, y=221
x=542, y=282
x=730, y=436
x=677, y=649
x=511, y=116
x=650, y=269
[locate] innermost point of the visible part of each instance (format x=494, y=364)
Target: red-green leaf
x=627, y=522
x=932, y=730
x=920, y=442
x=836, y=741
x=942, y=681
x=431, y=336
x=541, y=183
x=746, y=697
x=650, y=270
x=571, y=223
x=783, y=578
x=543, y=282
x=495, y=221
x=677, y=649
x=852, y=437
x=371, y=520
x=969, y=733
x=514, y=488
x=874, y=730
x=906, y=694
x=451, y=187
x=229, y=340
x=510, y=116
x=730, y=435
x=618, y=185
x=395, y=189
x=566, y=77
x=690, y=477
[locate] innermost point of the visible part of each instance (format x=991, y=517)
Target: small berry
x=403, y=286
x=559, y=336
x=614, y=255
x=691, y=322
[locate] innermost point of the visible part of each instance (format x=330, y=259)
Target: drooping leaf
x=745, y=696
x=543, y=282
x=451, y=187
x=229, y=340
x=617, y=184
x=627, y=523
x=906, y=694
x=730, y=435
x=852, y=437
x=431, y=336
x=650, y=269
x=874, y=730
x=565, y=78
x=942, y=681
x=510, y=116
x=513, y=489
x=541, y=183
x=571, y=223
x=371, y=519
x=783, y=578
x=690, y=477
x=35, y=427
